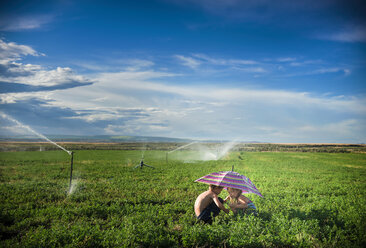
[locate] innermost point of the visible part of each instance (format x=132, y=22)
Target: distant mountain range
x=103, y=139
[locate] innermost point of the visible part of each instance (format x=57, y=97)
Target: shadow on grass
x=324, y=216
x=264, y=216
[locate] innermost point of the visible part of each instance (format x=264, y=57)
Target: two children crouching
x=209, y=205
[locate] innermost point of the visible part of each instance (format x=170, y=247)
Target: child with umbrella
x=208, y=204
x=239, y=203
x=236, y=184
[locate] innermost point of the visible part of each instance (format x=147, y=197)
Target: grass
x=310, y=200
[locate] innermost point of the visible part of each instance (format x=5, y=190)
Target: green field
x=310, y=200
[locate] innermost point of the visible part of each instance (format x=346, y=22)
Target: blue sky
x=293, y=71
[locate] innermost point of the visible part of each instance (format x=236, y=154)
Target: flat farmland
x=310, y=199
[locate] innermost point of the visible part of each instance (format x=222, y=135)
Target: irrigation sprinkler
x=72, y=162
x=142, y=164
x=5, y=116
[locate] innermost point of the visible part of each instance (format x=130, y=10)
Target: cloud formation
x=189, y=61
x=10, y=52
x=195, y=61
x=12, y=71
x=127, y=103
x=158, y=108
x=143, y=100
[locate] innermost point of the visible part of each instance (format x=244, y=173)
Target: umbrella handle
x=232, y=168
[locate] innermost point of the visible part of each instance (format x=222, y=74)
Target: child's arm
x=227, y=198
x=241, y=204
x=219, y=204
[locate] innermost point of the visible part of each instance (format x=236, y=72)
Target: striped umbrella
x=230, y=179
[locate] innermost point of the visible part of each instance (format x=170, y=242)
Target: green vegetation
x=311, y=200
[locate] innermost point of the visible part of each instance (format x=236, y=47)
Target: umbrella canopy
x=230, y=179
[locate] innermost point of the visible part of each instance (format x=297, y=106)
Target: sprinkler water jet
x=71, y=153
x=181, y=147
x=71, y=168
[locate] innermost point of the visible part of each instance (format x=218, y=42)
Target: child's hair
x=235, y=200
x=212, y=186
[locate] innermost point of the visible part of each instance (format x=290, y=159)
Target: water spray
x=181, y=147
x=5, y=116
x=176, y=149
x=224, y=149
x=31, y=130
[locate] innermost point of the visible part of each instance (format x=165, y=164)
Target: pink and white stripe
x=230, y=179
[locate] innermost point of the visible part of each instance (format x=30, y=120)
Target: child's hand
x=232, y=205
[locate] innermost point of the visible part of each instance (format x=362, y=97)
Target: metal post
x=72, y=162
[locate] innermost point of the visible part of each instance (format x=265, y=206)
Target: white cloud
x=10, y=52
x=59, y=76
x=108, y=64
x=138, y=64
x=98, y=117
x=136, y=105
x=151, y=121
x=133, y=127
x=30, y=74
x=123, y=76
x=12, y=128
x=306, y=62
x=146, y=101
x=13, y=23
x=227, y=62
x=252, y=69
x=330, y=131
x=8, y=98
x=111, y=113
x=188, y=61
x=37, y=76
x=320, y=71
x=351, y=34
x=131, y=88
x=199, y=60
x=286, y=59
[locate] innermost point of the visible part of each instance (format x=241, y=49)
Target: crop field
x=310, y=200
